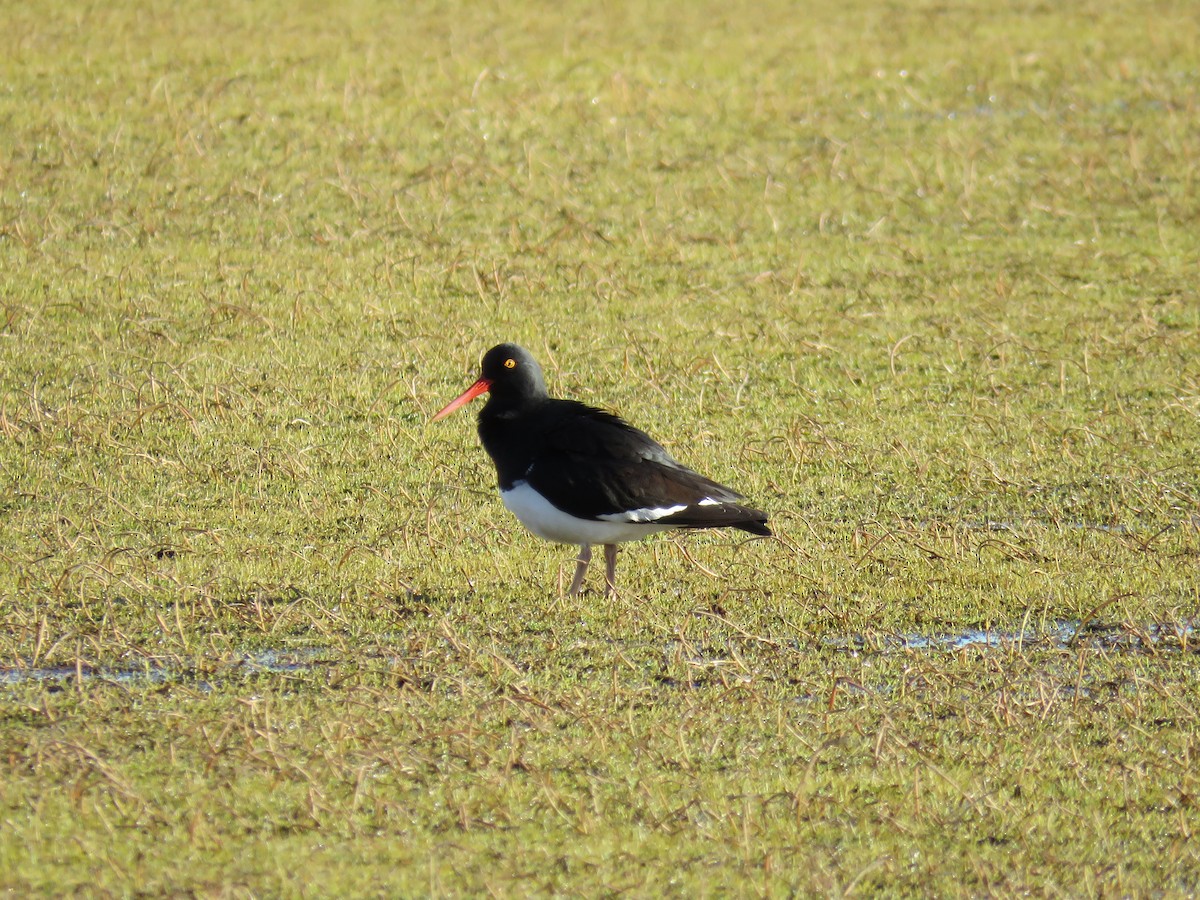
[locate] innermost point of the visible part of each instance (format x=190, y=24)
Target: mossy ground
x=918, y=279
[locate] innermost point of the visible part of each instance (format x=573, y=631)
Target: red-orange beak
x=482, y=386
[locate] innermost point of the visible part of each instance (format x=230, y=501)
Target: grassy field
x=919, y=279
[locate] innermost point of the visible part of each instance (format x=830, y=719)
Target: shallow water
x=278, y=660
x=203, y=674
x=1177, y=636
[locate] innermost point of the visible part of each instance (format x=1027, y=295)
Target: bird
x=575, y=474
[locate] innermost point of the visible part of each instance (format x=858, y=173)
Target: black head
x=513, y=377
x=513, y=373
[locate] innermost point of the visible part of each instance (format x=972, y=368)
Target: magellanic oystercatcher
x=579, y=475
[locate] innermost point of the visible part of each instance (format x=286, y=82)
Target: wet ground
x=1158, y=637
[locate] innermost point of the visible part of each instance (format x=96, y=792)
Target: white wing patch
x=644, y=515
x=649, y=514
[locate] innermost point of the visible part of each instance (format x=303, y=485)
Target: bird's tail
x=720, y=515
x=757, y=525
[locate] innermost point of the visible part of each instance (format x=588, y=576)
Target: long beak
x=482, y=386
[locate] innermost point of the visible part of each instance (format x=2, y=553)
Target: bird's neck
x=508, y=431
x=512, y=406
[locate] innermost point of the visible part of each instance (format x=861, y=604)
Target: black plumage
x=614, y=480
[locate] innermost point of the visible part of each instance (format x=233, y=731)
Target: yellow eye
x=510, y=363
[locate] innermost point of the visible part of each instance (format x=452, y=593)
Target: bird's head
x=509, y=373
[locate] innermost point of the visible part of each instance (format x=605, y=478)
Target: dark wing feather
x=593, y=463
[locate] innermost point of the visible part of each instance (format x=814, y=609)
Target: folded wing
x=594, y=465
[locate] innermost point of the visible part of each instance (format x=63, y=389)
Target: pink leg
x=610, y=569
x=585, y=557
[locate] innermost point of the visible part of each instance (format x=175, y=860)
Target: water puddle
x=200, y=673
x=205, y=673
x=1156, y=637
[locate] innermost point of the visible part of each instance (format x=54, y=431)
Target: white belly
x=548, y=521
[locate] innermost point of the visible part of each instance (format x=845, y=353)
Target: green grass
x=918, y=279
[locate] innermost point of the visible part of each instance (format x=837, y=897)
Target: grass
x=918, y=279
